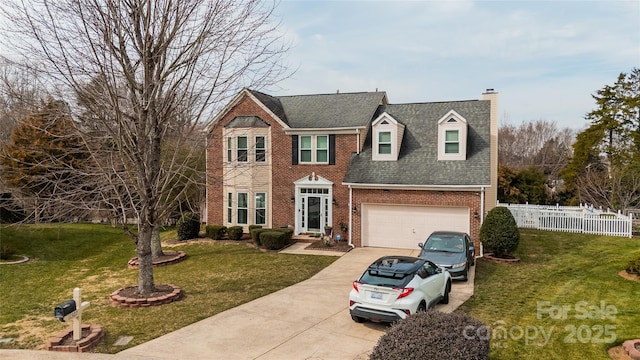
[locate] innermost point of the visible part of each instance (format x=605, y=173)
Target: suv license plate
x=376, y=295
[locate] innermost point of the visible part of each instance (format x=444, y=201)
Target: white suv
x=394, y=287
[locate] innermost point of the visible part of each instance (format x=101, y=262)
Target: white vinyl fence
x=578, y=219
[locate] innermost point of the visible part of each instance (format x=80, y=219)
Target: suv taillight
x=404, y=292
x=355, y=285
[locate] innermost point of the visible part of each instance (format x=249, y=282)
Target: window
x=242, y=148
x=229, y=149
x=314, y=149
x=229, y=207
x=452, y=137
x=305, y=149
x=451, y=142
x=261, y=208
x=322, y=149
x=261, y=150
x=384, y=142
x=243, y=210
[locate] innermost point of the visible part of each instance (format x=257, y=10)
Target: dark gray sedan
x=450, y=250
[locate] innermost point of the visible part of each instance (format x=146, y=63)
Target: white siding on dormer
x=391, y=130
x=452, y=130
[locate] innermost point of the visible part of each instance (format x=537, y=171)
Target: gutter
x=482, y=190
x=351, y=218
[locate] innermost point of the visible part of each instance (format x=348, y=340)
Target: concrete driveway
x=309, y=320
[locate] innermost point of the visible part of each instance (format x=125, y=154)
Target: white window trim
x=238, y=148
x=229, y=208
x=314, y=149
x=238, y=208
x=458, y=141
x=460, y=125
x=386, y=123
x=255, y=146
x=256, y=208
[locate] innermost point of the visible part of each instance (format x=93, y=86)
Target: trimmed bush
x=273, y=239
x=288, y=234
x=499, y=232
x=216, y=232
x=251, y=227
x=234, y=232
x=255, y=235
x=633, y=267
x=434, y=335
x=188, y=226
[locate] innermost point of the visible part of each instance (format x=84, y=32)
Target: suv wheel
x=447, y=290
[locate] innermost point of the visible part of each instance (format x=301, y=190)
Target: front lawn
x=564, y=300
x=214, y=277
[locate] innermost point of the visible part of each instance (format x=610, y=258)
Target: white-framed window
x=261, y=149
x=243, y=208
x=242, y=148
x=314, y=149
x=452, y=142
x=452, y=137
x=229, y=149
x=384, y=142
x=260, y=208
x=230, y=207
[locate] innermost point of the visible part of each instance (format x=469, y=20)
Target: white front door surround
x=313, y=204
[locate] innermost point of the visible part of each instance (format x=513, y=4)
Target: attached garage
x=404, y=226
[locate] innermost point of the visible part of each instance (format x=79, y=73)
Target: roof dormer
x=452, y=137
x=387, y=137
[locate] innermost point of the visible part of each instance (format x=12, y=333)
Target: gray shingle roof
x=417, y=162
x=331, y=110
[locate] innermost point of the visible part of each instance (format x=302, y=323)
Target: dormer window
x=387, y=138
x=452, y=137
x=384, y=143
x=452, y=142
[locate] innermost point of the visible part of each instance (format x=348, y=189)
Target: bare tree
x=614, y=188
x=164, y=67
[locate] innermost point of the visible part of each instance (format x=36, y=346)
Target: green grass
x=575, y=271
x=214, y=277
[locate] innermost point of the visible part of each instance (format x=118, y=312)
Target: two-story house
x=390, y=173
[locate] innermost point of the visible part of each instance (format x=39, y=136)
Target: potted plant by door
x=327, y=230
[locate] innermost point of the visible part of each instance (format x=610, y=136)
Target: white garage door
x=404, y=226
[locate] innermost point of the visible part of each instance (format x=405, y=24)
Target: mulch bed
x=340, y=246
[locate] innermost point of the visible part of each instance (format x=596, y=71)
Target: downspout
x=481, y=217
x=351, y=218
x=357, y=146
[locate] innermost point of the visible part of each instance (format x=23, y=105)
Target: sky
x=544, y=58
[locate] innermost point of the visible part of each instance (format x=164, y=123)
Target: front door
x=314, y=213
x=313, y=203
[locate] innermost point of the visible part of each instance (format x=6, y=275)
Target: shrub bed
x=255, y=235
x=434, y=335
x=273, y=239
x=234, y=232
x=188, y=226
x=216, y=232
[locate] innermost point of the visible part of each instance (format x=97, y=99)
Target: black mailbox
x=64, y=309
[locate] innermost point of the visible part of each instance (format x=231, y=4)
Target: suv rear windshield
x=391, y=272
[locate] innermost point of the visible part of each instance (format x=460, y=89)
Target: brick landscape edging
x=85, y=344
x=129, y=302
x=180, y=255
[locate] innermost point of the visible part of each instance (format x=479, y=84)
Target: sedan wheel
x=466, y=274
